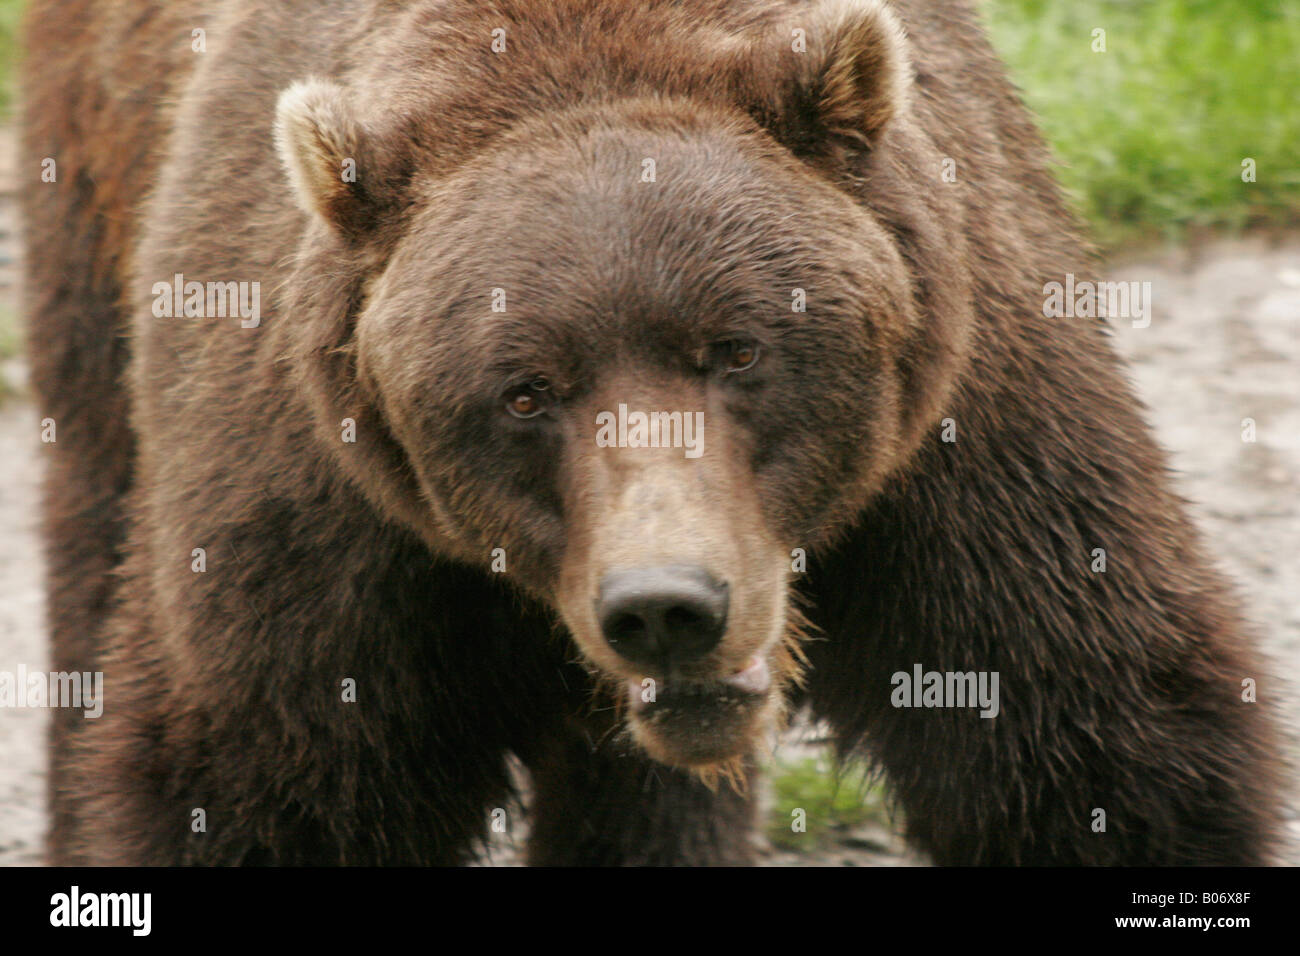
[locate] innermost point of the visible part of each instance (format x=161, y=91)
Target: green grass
x=10, y=338
x=10, y=12
x=1152, y=132
x=833, y=803
x=10, y=345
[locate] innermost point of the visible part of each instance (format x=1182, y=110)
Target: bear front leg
x=1072, y=766
x=612, y=806
x=276, y=710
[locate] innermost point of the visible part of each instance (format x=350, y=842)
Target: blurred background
x=1153, y=123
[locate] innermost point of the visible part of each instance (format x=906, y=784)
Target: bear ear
x=838, y=71
x=319, y=142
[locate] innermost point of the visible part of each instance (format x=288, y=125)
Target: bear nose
x=664, y=616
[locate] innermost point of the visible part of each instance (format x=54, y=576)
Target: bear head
x=641, y=324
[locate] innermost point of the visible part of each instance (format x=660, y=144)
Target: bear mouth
x=695, y=723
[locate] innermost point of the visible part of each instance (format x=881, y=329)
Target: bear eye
x=735, y=355
x=529, y=401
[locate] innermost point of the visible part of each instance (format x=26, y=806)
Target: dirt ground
x=1223, y=345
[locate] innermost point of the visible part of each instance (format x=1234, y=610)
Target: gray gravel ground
x=1223, y=345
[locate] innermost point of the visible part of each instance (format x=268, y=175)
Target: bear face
x=701, y=266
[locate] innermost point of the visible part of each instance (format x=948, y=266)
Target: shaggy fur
x=330, y=560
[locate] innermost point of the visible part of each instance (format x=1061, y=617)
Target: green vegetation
x=10, y=339
x=834, y=801
x=1152, y=132
x=10, y=346
x=10, y=12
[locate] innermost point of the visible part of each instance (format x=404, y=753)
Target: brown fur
x=329, y=560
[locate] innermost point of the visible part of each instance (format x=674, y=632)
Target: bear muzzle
x=691, y=723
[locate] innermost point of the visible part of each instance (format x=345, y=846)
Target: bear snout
x=661, y=617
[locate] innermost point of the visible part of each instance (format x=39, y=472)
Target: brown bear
x=595, y=382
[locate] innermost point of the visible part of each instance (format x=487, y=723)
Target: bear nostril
x=662, y=616
x=625, y=628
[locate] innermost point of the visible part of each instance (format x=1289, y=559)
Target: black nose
x=662, y=616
